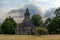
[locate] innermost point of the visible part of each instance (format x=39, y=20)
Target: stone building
x=43, y=25
x=27, y=27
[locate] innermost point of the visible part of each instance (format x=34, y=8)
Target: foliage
x=54, y=25
x=48, y=20
x=57, y=12
x=8, y=26
x=0, y=29
x=41, y=30
x=19, y=24
x=36, y=19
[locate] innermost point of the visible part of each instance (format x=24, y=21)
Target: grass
x=29, y=37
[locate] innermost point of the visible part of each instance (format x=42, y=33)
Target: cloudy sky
x=16, y=8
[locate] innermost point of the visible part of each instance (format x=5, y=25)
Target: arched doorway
x=32, y=33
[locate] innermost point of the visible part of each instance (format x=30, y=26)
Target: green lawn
x=29, y=37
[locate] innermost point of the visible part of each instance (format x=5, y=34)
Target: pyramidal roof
x=27, y=10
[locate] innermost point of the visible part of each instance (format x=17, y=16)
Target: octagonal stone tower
x=27, y=26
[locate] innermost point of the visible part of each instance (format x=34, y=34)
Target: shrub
x=8, y=26
x=41, y=31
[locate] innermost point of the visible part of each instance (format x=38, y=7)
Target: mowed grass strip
x=29, y=37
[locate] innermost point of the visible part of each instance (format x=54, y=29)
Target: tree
x=41, y=31
x=36, y=19
x=57, y=12
x=8, y=26
x=0, y=29
x=57, y=18
x=54, y=25
x=48, y=20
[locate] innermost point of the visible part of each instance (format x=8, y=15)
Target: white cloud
x=57, y=3
x=4, y=11
x=43, y=6
x=5, y=1
x=18, y=20
x=15, y=16
x=7, y=9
